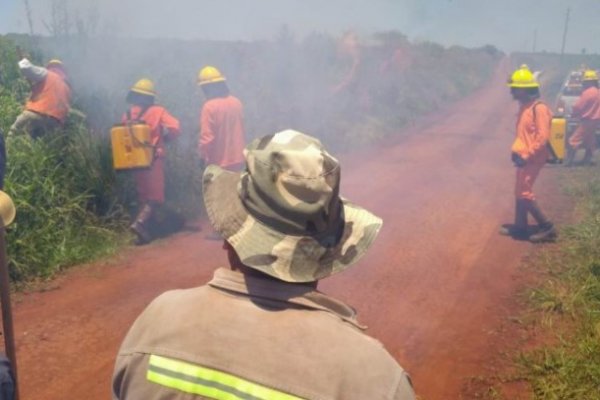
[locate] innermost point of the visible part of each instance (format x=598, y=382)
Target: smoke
x=508, y=24
x=512, y=25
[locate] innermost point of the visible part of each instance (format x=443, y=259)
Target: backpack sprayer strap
x=130, y=121
x=548, y=145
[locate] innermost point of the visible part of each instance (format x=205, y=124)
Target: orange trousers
x=585, y=135
x=527, y=175
x=150, y=183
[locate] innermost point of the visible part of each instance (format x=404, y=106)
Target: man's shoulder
x=594, y=93
x=156, y=108
x=360, y=347
x=56, y=78
x=540, y=107
x=171, y=297
x=235, y=99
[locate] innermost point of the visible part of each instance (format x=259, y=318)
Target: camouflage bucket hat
x=283, y=215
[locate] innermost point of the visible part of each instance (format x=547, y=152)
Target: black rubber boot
x=165, y=221
x=587, y=158
x=570, y=156
x=519, y=229
x=141, y=225
x=546, y=231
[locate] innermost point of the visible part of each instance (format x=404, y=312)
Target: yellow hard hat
x=7, y=210
x=523, y=78
x=144, y=86
x=590, y=75
x=55, y=61
x=209, y=74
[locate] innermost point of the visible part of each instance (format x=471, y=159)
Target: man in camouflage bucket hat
x=261, y=330
x=283, y=215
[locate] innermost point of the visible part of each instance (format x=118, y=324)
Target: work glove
x=25, y=63
x=517, y=160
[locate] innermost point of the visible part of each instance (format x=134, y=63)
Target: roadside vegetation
x=348, y=91
x=63, y=188
x=568, y=302
x=564, y=306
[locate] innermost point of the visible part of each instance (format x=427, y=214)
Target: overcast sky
x=508, y=24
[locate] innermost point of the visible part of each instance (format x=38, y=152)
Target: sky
x=508, y=24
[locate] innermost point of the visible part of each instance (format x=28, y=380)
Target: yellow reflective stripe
x=194, y=379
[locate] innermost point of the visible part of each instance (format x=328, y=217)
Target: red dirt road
x=435, y=288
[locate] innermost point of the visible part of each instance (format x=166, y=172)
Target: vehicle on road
x=565, y=100
x=569, y=94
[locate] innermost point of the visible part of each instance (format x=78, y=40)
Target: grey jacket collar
x=283, y=293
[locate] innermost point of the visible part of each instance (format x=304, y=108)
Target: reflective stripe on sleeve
x=194, y=379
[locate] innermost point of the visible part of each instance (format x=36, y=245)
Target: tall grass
x=570, y=302
x=55, y=225
x=68, y=206
x=63, y=217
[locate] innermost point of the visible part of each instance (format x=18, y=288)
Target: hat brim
x=291, y=258
x=523, y=85
x=144, y=92
x=208, y=82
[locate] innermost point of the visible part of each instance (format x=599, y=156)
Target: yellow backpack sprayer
x=131, y=144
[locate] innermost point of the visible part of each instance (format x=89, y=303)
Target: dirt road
x=436, y=288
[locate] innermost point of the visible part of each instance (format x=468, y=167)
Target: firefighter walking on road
x=150, y=182
x=222, y=138
x=529, y=155
x=221, y=122
x=49, y=102
x=587, y=109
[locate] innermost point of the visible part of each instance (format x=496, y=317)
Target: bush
x=55, y=226
x=66, y=193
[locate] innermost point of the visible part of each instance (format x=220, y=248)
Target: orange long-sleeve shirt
x=533, y=129
x=50, y=96
x=222, y=132
x=588, y=105
x=163, y=126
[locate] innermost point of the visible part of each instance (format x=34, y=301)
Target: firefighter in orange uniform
x=529, y=154
x=48, y=105
x=221, y=123
x=222, y=138
x=587, y=109
x=150, y=182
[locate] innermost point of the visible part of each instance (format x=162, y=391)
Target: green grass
x=68, y=200
x=55, y=225
x=569, y=303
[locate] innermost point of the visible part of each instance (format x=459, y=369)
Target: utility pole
x=534, y=40
x=564, y=40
